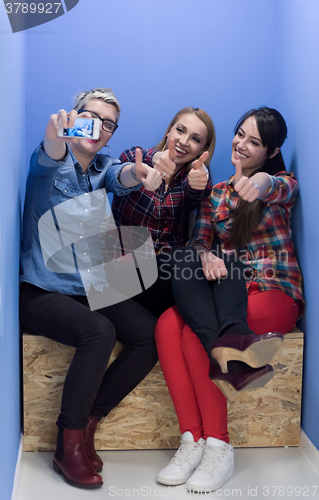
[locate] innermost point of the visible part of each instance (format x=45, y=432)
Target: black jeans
x=90, y=388
x=159, y=297
x=209, y=307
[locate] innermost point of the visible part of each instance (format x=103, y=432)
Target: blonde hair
x=205, y=118
x=105, y=95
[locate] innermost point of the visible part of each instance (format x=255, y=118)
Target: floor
x=275, y=473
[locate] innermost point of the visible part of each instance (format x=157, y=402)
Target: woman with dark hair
x=250, y=215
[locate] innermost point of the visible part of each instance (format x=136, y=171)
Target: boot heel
x=229, y=392
x=56, y=468
x=219, y=354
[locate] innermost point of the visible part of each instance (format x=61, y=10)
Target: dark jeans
x=90, y=388
x=208, y=307
x=159, y=297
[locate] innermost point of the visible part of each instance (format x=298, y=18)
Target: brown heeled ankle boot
x=88, y=435
x=71, y=461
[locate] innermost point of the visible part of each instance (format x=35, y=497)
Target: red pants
x=200, y=406
x=271, y=311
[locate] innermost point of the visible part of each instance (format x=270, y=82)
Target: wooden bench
x=146, y=418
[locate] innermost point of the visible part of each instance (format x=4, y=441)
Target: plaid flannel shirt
x=269, y=257
x=164, y=213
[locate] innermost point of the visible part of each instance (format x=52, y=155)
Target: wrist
x=154, y=158
x=262, y=181
x=133, y=174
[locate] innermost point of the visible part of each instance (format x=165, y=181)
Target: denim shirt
x=51, y=183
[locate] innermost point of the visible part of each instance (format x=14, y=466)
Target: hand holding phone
x=86, y=128
x=54, y=143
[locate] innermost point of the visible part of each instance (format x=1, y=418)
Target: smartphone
x=87, y=128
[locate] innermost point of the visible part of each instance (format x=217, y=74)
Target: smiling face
x=248, y=147
x=87, y=148
x=190, y=135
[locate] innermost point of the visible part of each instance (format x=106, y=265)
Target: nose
x=241, y=143
x=184, y=140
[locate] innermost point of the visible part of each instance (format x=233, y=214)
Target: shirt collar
x=97, y=162
x=230, y=180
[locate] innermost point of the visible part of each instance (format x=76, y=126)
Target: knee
x=169, y=324
x=100, y=332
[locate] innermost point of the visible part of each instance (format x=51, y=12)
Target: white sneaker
x=216, y=467
x=184, y=462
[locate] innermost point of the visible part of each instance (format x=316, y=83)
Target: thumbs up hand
x=164, y=161
x=199, y=175
x=246, y=188
x=149, y=177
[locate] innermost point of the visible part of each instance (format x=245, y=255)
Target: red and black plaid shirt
x=164, y=213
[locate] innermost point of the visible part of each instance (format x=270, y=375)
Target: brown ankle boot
x=71, y=461
x=88, y=435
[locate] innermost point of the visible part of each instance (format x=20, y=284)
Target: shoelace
x=183, y=453
x=211, y=458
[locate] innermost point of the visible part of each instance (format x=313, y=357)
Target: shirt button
x=84, y=252
x=81, y=236
x=157, y=240
x=86, y=210
x=81, y=223
x=88, y=270
x=85, y=194
x=65, y=190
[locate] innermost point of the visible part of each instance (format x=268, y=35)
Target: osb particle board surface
x=146, y=419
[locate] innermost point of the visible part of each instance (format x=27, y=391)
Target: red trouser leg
x=270, y=311
x=200, y=407
x=211, y=401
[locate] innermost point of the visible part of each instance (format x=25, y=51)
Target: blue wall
x=298, y=76
x=12, y=172
x=159, y=56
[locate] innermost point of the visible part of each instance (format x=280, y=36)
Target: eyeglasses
x=107, y=125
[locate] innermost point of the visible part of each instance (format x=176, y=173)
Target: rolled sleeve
x=112, y=182
x=197, y=194
x=42, y=164
x=283, y=189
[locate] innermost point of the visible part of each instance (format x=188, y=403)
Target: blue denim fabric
x=49, y=184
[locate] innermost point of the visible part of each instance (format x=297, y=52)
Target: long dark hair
x=272, y=129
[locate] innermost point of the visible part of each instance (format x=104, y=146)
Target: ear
x=274, y=153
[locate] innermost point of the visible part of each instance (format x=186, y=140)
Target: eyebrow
x=251, y=136
x=108, y=119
